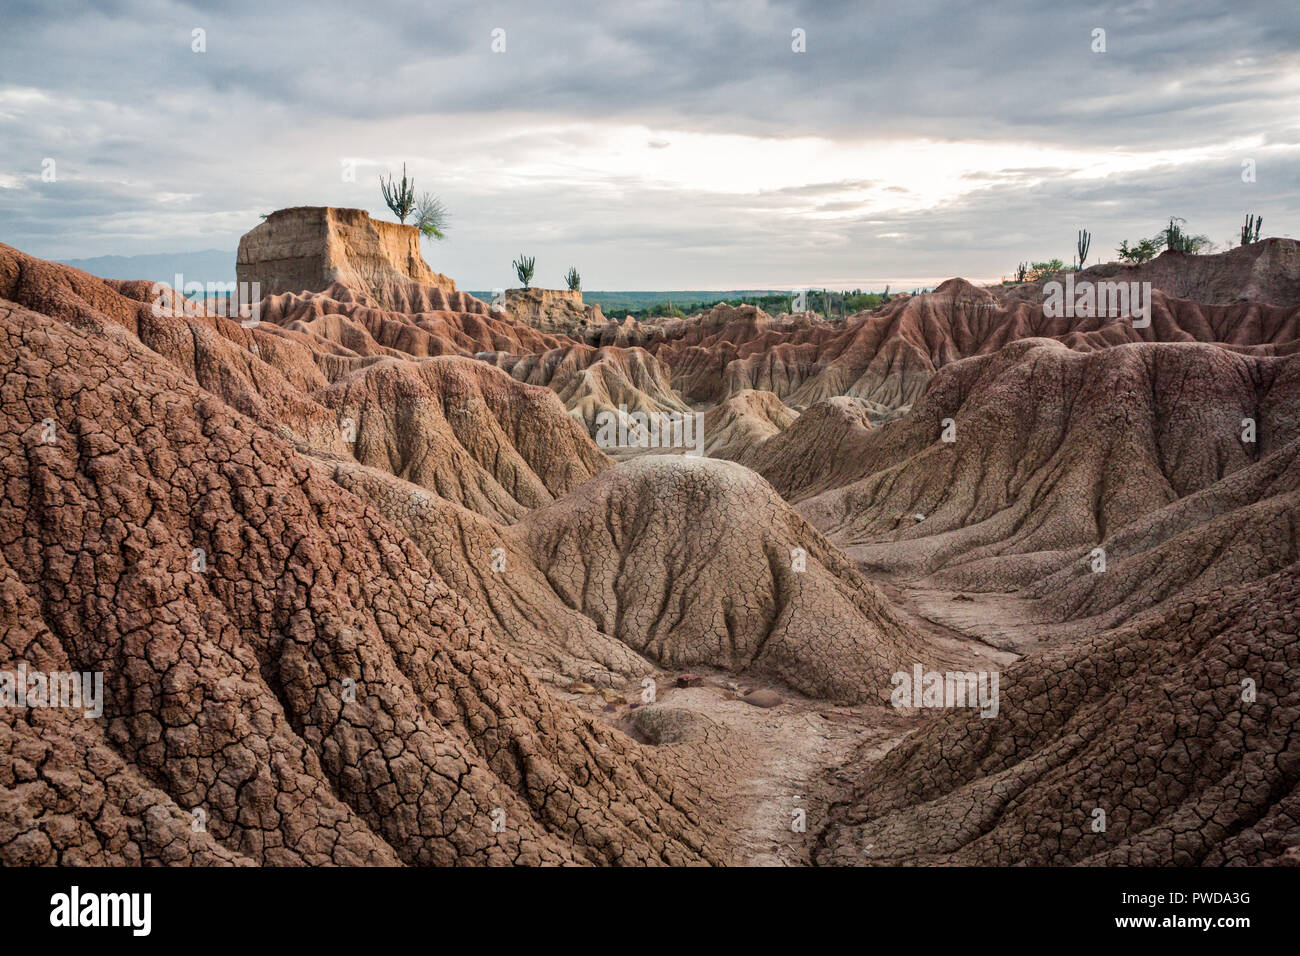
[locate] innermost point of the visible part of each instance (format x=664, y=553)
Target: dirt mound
x=286, y=678
x=590, y=381
x=1266, y=271
x=487, y=570
x=465, y=431
x=822, y=448
x=1172, y=742
x=452, y=425
x=309, y=248
x=1238, y=530
x=889, y=356
x=362, y=588
x=696, y=562
x=1154, y=720
x=736, y=428
x=670, y=725
x=729, y=349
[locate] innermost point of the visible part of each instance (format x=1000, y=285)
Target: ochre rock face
x=553, y=310
x=308, y=248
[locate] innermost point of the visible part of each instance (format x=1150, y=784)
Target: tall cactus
x=400, y=197
x=1250, y=231
x=1085, y=240
x=1174, y=235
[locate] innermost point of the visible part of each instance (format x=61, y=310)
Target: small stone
x=762, y=698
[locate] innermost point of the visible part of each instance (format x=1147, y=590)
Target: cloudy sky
x=657, y=145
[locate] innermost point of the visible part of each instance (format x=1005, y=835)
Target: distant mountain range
x=210, y=265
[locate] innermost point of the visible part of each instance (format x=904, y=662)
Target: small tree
x=400, y=197
x=1250, y=231
x=573, y=280
x=1144, y=251
x=1042, y=270
x=1082, y=244
x=431, y=217
x=524, y=267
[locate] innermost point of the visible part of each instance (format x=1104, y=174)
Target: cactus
x=1173, y=235
x=524, y=267
x=573, y=279
x=1022, y=271
x=1250, y=231
x=400, y=197
x=1176, y=239
x=1084, y=241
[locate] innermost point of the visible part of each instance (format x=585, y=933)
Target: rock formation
x=749, y=584
x=309, y=248
x=554, y=310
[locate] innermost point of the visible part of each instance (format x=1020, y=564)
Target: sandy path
x=759, y=765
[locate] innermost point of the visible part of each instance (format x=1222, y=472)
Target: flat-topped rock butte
x=309, y=248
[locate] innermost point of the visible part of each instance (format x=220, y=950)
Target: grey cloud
x=133, y=114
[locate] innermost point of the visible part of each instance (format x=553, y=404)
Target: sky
x=657, y=145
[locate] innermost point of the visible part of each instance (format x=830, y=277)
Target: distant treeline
x=647, y=305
